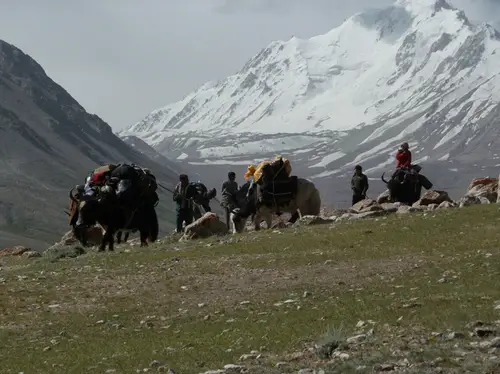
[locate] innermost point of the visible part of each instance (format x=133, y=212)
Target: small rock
x=356, y=339
x=494, y=343
x=32, y=254
x=155, y=364
x=384, y=367
x=340, y=355
x=455, y=335
x=484, y=331
x=248, y=357
x=47, y=349
x=360, y=324
x=233, y=367
x=306, y=294
x=306, y=371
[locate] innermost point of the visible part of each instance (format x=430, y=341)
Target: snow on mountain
x=416, y=71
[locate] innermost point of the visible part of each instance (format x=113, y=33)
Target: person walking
x=359, y=185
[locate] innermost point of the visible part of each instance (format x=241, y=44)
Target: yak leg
x=126, y=237
x=119, y=237
x=108, y=238
x=144, y=237
x=111, y=243
x=256, y=221
x=105, y=240
x=269, y=220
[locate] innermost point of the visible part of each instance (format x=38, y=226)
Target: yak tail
x=314, y=203
x=383, y=180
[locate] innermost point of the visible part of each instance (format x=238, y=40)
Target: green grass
x=198, y=306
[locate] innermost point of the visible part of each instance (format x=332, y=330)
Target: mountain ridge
x=416, y=71
x=48, y=144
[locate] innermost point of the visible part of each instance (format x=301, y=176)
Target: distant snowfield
x=261, y=146
x=224, y=162
x=415, y=71
x=328, y=160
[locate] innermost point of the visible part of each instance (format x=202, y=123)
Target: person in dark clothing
x=229, y=189
x=359, y=185
x=184, y=204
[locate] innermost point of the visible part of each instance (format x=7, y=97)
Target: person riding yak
x=404, y=163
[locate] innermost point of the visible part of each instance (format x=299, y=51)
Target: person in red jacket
x=403, y=157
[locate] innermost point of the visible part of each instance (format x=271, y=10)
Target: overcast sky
x=123, y=58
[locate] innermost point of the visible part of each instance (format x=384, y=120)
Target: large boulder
x=94, y=237
x=469, y=200
x=484, y=187
x=204, y=227
x=433, y=197
x=384, y=197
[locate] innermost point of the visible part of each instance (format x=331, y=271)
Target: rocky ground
x=403, y=293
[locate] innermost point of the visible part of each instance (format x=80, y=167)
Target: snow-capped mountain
x=416, y=71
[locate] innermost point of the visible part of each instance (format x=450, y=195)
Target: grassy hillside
x=400, y=292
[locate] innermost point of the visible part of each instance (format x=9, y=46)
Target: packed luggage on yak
x=118, y=196
x=273, y=180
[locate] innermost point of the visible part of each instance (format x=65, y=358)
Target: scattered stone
x=494, y=343
x=405, y=209
x=295, y=356
x=384, y=367
x=313, y=220
x=484, y=331
x=340, y=355
x=32, y=254
x=433, y=197
x=156, y=364
x=247, y=357
x=390, y=207
x=360, y=324
x=356, y=339
x=446, y=205
x=468, y=201
x=455, y=335
x=306, y=371
x=233, y=367
x=17, y=250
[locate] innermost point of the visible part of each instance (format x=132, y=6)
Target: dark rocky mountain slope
x=48, y=142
